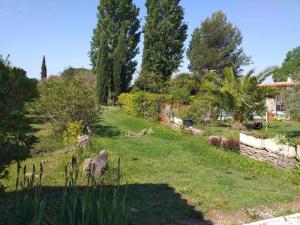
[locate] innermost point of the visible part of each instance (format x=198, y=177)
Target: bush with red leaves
x=231, y=145
x=215, y=141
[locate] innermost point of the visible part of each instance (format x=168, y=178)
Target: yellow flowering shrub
x=72, y=132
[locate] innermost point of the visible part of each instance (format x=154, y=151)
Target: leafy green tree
x=290, y=66
x=216, y=45
x=187, y=81
x=73, y=72
x=150, y=82
x=164, y=36
x=117, y=18
x=44, y=69
x=16, y=137
x=103, y=71
x=66, y=99
x=292, y=103
x=238, y=96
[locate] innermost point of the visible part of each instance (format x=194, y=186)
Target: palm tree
x=237, y=95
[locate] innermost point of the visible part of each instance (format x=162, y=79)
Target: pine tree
x=44, y=69
x=103, y=73
x=216, y=45
x=115, y=17
x=164, y=36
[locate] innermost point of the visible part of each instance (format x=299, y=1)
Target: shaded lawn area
x=172, y=177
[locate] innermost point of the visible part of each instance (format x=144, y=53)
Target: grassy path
x=173, y=176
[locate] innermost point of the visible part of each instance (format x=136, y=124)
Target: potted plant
x=253, y=140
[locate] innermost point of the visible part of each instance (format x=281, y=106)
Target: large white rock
x=298, y=150
x=252, y=141
x=177, y=121
x=282, y=149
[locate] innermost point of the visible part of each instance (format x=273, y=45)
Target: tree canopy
x=118, y=19
x=290, y=66
x=164, y=36
x=216, y=45
x=15, y=129
x=66, y=99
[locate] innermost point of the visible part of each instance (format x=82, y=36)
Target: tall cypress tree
x=117, y=16
x=44, y=69
x=103, y=69
x=120, y=83
x=164, y=36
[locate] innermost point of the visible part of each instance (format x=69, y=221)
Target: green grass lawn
x=170, y=176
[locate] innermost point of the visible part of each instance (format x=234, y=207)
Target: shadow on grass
x=104, y=130
x=149, y=204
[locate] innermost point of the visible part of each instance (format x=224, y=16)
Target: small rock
x=83, y=141
x=195, y=131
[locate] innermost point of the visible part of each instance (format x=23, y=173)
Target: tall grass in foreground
x=90, y=205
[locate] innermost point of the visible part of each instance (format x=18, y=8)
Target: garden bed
x=281, y=155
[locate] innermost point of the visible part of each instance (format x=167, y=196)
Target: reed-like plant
x=29, y=208
x=90, y=205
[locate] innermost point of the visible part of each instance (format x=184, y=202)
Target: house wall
x=271, y=105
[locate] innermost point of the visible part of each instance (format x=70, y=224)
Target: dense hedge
x=143, y=104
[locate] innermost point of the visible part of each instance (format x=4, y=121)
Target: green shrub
x=66, y=99
x=197, y=111
x=143, y=104
x=292, y=103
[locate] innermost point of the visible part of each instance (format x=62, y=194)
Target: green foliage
x=16, y=137
x=290, y=66
x=239, y=96
x=119, y=21
x=44, y=69
x=292, y=104
x=283, y=139
x=216, y=45
x=198, y=110
x=164, y=36
x=150, y=82
x=66, y=99
x=30, y=205
x=182, y=87
x=142, y=104
x=74, y=72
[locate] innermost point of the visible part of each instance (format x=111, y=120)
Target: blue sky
x=61, y=30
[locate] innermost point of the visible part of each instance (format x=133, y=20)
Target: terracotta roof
x=283, y=84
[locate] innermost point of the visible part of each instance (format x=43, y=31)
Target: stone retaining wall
x=271, y=157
